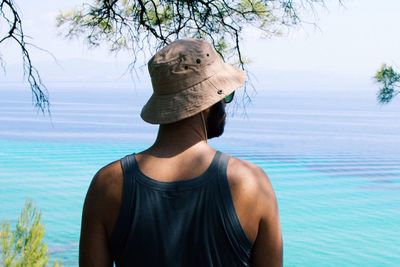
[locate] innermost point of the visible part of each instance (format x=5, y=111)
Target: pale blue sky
x=350, y=43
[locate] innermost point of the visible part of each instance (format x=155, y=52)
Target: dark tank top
x=183, y=223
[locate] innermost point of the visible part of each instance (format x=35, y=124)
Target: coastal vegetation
x=24, y=246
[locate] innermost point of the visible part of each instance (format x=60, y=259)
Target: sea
x=333, y=158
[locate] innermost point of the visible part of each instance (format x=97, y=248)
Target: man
x=181, y=202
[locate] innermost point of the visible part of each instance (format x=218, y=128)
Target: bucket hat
x=188, y=76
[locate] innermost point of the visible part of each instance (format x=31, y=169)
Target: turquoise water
x=334, y=162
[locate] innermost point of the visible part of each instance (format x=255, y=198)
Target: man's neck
x=175, y=138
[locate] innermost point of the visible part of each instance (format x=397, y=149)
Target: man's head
x=188, y=77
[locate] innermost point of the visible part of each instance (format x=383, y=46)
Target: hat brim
x=163, y=109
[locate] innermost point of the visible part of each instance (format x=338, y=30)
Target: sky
x=344, y=51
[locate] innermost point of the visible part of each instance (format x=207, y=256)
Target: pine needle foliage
x=24, y=246
x=390, y=83
x=145, y=26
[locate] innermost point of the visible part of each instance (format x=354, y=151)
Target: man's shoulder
x=106, y=185
x=108, y=177
x=247, y=173
x=249, y=181
x=252, y=195
x=104, y=196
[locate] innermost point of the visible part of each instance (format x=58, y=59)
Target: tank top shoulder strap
x=119, y=235
x=241, y=238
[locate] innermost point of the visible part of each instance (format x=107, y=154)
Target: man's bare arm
x=257, y=209
x=100, y=211
x=268, y=246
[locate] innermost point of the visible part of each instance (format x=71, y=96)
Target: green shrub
x=24, y=246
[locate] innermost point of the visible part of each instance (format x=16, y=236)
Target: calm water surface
x=333, y=159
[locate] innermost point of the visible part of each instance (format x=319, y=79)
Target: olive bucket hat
x=188, y=76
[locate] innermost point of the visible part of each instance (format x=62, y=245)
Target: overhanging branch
x=10, y=15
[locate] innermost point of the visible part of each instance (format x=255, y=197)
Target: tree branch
x=10, y=14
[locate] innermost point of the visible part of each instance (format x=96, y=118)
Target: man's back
x=190, y=222
x=254, y=207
